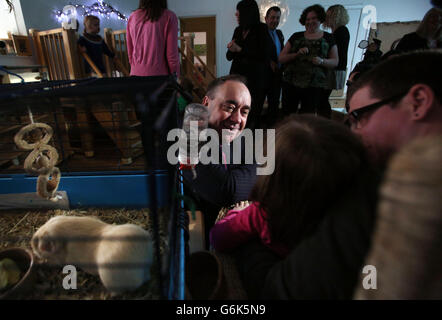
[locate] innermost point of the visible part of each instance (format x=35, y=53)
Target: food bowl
x=204, y=277
x=24, y=260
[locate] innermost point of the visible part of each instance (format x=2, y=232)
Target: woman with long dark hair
x=247, y=51
x=152, y=40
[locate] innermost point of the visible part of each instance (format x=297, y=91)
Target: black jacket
x=412, y=41
x=251, y=61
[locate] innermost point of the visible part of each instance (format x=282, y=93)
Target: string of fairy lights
x=99, y=8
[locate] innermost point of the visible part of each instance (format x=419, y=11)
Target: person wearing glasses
x=398, y=100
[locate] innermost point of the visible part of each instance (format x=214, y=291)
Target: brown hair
x=90, y=18
x=153, y=8
x=399, y=73
x=318, y=9
x=336, y=16
x=316, y=161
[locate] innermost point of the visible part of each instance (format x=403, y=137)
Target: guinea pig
x=120, y=254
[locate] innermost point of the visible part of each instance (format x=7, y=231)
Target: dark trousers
x=312, y=100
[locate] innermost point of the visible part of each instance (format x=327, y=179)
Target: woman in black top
x=427, y=36
x=247, y=51
x=336, y=19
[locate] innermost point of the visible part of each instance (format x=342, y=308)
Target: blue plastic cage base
x=31, y=200
x=97, y=190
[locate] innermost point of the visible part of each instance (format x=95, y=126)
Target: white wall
x=224, y=10
x=11, y=21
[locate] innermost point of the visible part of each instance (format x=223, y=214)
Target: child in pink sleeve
x=152, y=40
x=239, y=226
x=315, y=159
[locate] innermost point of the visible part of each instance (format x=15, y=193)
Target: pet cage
x=110, y=135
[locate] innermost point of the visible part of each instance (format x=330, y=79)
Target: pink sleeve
x=236, y=228
x=129, y=41
x=173, y=58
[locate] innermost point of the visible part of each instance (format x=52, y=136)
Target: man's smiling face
x=229, y=108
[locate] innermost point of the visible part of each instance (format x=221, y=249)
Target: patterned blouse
x=301, y=72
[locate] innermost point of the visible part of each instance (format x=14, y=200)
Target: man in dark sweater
x=221, y=185
x=393, y=103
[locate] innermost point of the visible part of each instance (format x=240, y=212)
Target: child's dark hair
x=316, y=160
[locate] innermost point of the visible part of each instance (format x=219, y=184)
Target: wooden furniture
x=18, y=44
x=116, y=41
x=57, y=49
x=200, y=76
x=22, y=44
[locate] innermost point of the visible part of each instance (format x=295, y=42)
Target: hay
x=17, y=228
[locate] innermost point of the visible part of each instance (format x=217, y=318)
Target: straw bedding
x=18, y=226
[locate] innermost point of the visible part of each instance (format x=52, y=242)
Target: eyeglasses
x=354, y=117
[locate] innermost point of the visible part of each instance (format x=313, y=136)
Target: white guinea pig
x=120, y=254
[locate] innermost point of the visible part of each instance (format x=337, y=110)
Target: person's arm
x=254, y=46
x=129, y=41
x=81, y=42
x=230, y=55
x=329, y=63
x=287, y=56
x=220, y=186
x=173, y=59
x=236, y=228
x=108, y=51
x=333, y=58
